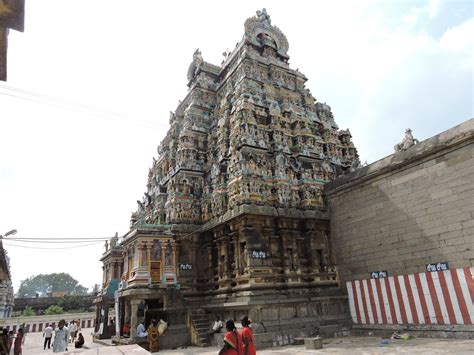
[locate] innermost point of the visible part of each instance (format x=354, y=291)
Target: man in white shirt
x=141, y=333
x=60, y=337
x=217, y=326
x=47, y=334
x=72, y=331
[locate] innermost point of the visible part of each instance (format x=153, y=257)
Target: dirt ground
x=349, y=345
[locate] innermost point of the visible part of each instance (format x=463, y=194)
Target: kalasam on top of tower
x=233, y=214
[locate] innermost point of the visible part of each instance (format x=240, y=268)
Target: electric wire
x=56, y=248
x=54, y=242
x=69, y=105
x=57, y=239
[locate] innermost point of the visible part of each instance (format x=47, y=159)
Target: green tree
x=28, y=311
x=71, y=303
x=50, y=282
x=53, y=309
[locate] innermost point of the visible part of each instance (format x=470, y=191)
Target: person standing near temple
x=4, y=342
x=47, y=334
x=247, y=336
x=153, y=334
x=217, y=326
x=11, y=339
x=233, y=344
x=18, y=346
x=60, y=337
x=72, y=331
x=25, y=330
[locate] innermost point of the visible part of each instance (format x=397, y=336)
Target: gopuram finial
x=259, y=28
x=264, y=17
x=195, y=64
x=197, y=56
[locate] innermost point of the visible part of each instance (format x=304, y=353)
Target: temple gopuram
x=233, y=220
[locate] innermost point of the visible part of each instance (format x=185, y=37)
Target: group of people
x=154, y=330
x=9, y=340
x=63, y=335
x=238, y=342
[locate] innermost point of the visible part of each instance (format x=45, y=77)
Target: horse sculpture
x=407, y=142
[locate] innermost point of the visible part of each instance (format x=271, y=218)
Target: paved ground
x=34, y=343
x=352, y=345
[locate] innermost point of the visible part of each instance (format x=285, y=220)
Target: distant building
x=61, y=293
x=12, y=14
x=6, y=289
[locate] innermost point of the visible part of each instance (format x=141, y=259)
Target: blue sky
x=91, y=84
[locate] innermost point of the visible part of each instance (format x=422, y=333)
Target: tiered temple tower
x=234, y=210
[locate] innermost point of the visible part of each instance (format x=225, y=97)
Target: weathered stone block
x=313, y=343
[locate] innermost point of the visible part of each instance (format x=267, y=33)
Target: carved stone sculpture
x=407, y=142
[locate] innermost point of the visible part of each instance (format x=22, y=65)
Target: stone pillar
x=133, y=318
x=174, y=261
x=98, y=307
x=193, y=261
x=209, y=261
x=220, y=267
x=237, y=256
x=126, y=308
x=225, y=249
x=103, y=276
x=143, y=255
x=116, y=272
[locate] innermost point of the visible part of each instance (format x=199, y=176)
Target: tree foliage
x=28, y=311
x=53, y=309
x=50, y=282
x=71, y=303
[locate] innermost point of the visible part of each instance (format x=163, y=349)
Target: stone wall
x=407, y=210
x=39, y=323
x=398, y=215
x=40, y=304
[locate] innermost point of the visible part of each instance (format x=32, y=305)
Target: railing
x=39, y=323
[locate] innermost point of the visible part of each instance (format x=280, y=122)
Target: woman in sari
x=247, y=336
x=153, y=336
x=17, y=347
x=233, y=344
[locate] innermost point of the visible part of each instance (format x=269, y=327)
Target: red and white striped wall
x=442, y=297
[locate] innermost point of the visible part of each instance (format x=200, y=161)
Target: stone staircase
x=201, y=322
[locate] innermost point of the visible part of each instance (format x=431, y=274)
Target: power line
x=56, y=239
x=51, y=98
x=73, y=106
x=56, y=248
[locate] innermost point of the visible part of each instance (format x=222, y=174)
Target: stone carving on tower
x=248, y=132
x=239, y=176
x=233, y=214
x=407, y=142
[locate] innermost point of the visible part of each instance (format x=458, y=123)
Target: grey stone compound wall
x=408, y=209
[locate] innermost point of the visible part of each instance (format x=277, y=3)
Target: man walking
x=72, y=331
x=47, y=334
x=60, y=337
